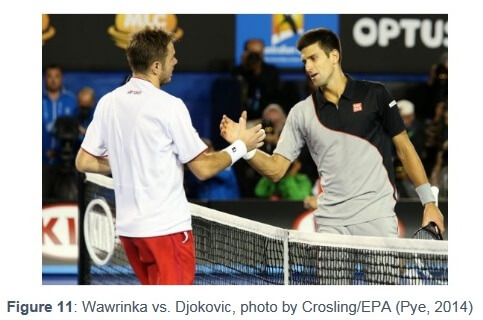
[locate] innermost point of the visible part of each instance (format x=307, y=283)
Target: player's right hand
x=228, y=129
x=231, y=131
x=253, y=137
x=432, y=213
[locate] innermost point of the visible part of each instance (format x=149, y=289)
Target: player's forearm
x=103, y=165
x=207, y=165
x=273, y=166
x=87, y=163
x=219, y=161
x=412, y=165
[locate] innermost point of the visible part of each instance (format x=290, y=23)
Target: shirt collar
x=349, y=88
x=348, y=91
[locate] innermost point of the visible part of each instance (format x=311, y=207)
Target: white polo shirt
x=148, y=136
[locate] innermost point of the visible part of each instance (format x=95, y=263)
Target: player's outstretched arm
x=206, y=165
x=415, y=170
x=273, y=166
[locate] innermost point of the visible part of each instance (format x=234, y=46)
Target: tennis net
x=233, y=250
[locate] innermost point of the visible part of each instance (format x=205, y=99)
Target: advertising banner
x=279, y=33
x=98, y=42
x=214, y=43
x=393, y=43
x=60, y=234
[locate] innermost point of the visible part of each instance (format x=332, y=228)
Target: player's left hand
x=432, y=213
x=310, y=202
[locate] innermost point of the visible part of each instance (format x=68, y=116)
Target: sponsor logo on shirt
x=134, y=92
x=356, y=107
x=392, y=104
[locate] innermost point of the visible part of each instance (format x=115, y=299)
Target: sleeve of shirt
x=187, y=142
x=391, y=119
x=291, y=140
x=93, y=142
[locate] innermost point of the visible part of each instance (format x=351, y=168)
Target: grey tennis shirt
x=351, y=145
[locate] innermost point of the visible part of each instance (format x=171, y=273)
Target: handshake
x=243, y=141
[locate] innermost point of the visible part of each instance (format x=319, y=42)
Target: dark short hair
x=147, y=46
x=52, y=66
x=326, y=39
x=245, y=44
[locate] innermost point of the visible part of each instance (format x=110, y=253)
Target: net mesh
x=233, y=250
x=226, y=255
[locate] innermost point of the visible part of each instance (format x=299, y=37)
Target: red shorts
x=168, y=259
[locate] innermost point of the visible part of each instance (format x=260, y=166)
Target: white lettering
x=159, y=20
x=388, y=30
x=99, y=231
x=365, y=32
x=134, y=21
x=431, y=34
x=432, y=37
x=410, y=27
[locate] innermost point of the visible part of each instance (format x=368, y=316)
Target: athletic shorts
x=381, y=227
x=168, y=259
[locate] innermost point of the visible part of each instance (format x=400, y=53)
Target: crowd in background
x=66, y=115
x=65, y=118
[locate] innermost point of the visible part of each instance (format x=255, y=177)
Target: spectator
x=85, y=104
x=293, y=186
x=56, y=102
x=260, y=81
x=414, y=127
x=272, y=122
x=436, y=135
x=439, y=175
x=438, y=80
x=222, y=186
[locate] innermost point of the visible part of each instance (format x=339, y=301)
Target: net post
x=83, y=263
x=286, y=267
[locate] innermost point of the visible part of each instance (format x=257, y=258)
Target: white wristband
x=425, y=193
x=236, y=150
x=250, y=154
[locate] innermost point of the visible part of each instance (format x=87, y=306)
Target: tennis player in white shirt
x=144, y=136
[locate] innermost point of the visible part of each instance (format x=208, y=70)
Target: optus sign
x=408, y=43
x=429, y=33
x=59, y=232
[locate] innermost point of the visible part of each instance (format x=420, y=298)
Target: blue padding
x=59, y=269
x=390, y=77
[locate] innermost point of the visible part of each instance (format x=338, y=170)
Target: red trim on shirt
x=199, y=154
x=103, y=156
